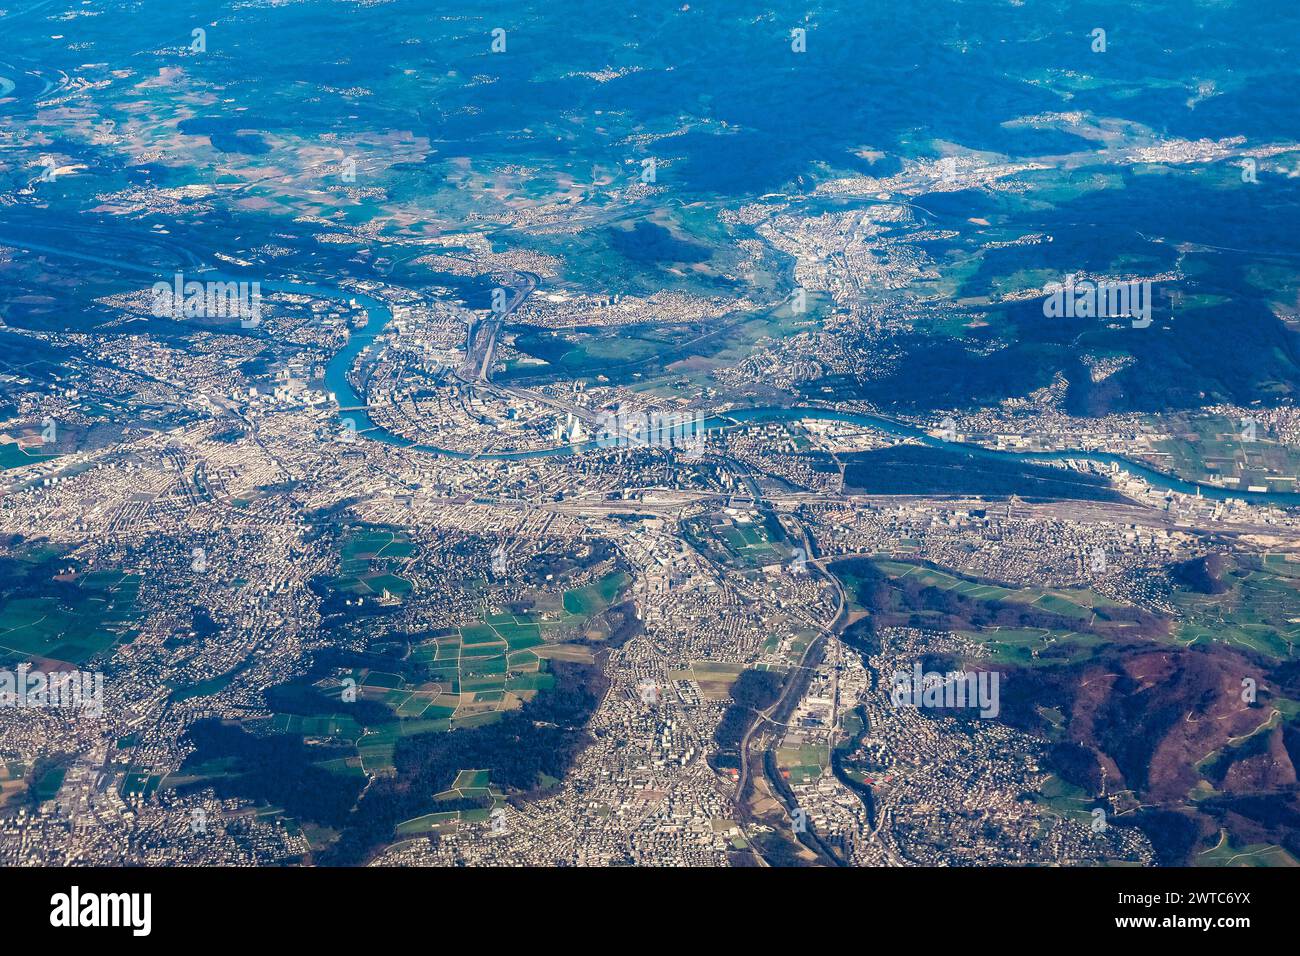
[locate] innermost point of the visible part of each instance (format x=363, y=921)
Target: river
x=336, y=381
x=352, y=406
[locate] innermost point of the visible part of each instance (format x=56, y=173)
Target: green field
x=751, y=544
x=1068, y=602
x=744, y=541
x=72, y=620
x=1031, y=646
x=1227, y=853
x=803, y=764
x=1259, y=611
x=432, y=681
x=1024, y=646
x=365, y=547
x=477, y=672
x=1063, y=801
x=369, y=561
x=1205, y=448
x=595, y=598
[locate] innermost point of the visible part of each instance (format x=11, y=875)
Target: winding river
x=351, y=406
